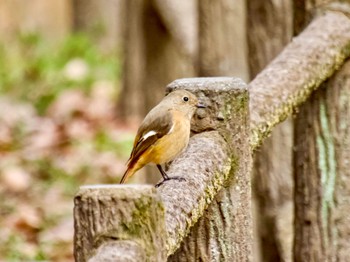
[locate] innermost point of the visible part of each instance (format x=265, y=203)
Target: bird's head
x=183, y=101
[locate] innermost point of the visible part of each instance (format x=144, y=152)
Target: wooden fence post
x=222, y=33
x=119, y=223
x=224, y=232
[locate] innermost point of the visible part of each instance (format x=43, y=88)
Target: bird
x=163, y=134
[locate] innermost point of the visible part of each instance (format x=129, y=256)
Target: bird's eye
x=185, y=98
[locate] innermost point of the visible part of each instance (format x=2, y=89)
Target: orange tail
x=128, y=173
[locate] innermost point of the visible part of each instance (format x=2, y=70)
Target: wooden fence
x=208, y=216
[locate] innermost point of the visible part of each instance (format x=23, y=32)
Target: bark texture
x=303, y=65
x=111, y=219
x=322, y=164
x=272, y=175
x=224, y=231
x=222, y=45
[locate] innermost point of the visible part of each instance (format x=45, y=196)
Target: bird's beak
x=200, y=105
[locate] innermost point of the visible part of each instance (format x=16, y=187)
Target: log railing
x=208, y=216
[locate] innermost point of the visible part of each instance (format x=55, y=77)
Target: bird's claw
x=178, y=178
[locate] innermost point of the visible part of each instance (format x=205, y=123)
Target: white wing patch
x=152, y=133
x=148, y=134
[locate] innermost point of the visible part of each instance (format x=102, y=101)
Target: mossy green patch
x=33, y=69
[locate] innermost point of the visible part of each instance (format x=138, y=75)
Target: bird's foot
x=178, y=178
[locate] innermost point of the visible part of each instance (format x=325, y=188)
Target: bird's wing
x=153, y=128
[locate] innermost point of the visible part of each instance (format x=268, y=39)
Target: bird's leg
x=166, y=177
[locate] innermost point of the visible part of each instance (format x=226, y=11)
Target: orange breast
x=172, y=144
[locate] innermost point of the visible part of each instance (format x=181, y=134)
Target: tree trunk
x=273, y=191
x=322, y=176
x=101, y=20
x=270, y=25
x=269, y=30
x=131, y=102
x=222, y=38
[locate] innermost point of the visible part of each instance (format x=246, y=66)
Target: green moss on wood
x=144, y=224
x=141, y=226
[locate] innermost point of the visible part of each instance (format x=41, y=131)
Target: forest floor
x=59, y=129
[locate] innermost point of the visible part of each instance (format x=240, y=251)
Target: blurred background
x=78, y=76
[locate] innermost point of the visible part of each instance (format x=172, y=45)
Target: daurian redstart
x=164, y=133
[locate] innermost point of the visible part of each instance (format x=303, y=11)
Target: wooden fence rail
x=208, y=216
